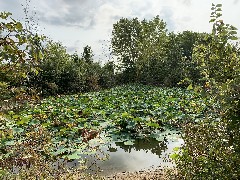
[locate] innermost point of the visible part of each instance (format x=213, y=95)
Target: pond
x=141, y=154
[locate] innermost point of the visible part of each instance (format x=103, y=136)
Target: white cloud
x=78, y=23
x=106, y=15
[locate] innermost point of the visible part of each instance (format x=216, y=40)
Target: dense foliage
x=32, y=65
x=212, y=146
x=148, y=54
x=20, y=53
x=202, y=69
x=64, y=126
x=62, y=73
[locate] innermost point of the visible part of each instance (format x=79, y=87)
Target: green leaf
x=233, y=32
x=73, y=156
x=234, y=38
x=234, y=28
x=33, y=122
x=176, y=149
x=5, y=15
x=18, y=130
x=212, y=20
x=129, y=143
x=19, y=26
x=137, y=119
x=151, y=124
x=219, y=5
x=11, y=113
x=24, y=75
x=10, y=143
x=40, y=55
x=15, y=116
x=190, y=87
x=125, y=115
x=24, y=120
x=174, y=156
x=46, y=124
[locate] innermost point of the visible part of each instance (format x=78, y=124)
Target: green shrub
x=212, y=147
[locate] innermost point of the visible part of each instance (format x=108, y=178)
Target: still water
x=142, y=154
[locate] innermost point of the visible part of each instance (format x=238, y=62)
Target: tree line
x=31, y=64
x=146, y=53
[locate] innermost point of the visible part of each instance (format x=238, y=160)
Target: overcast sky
x=77, y=23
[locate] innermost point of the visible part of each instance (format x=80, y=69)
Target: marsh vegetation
x=59, y=108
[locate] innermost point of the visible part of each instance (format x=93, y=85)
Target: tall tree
x=136, y=43
x=87, y=54
x=125, y=37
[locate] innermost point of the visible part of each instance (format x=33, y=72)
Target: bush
x=61, y=73
x=212, y=147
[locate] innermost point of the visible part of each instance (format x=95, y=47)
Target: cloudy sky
x=77, y=23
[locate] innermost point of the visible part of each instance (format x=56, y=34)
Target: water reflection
x=146, y=145
x=117, y=156
x=143, y=154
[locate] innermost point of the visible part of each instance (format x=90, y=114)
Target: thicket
x=20, y=53
x=212, y=147
x=62, y=73
x=32, y=66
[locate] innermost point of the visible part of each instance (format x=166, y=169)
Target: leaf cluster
x=211, y=149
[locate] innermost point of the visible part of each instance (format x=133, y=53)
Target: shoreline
x=159, y=173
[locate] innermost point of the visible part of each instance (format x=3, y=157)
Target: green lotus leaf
x=128, y=143
x=10, y=143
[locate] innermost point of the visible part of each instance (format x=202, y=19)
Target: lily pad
x=128, y=143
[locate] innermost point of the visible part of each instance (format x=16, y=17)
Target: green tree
x=136, y=44
x=187, y=42
x=108, y=78
x=64, y=73
x=124, y=43
x=152, y=51
x=54, y=63
x=172, y=63
x=87, y=54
